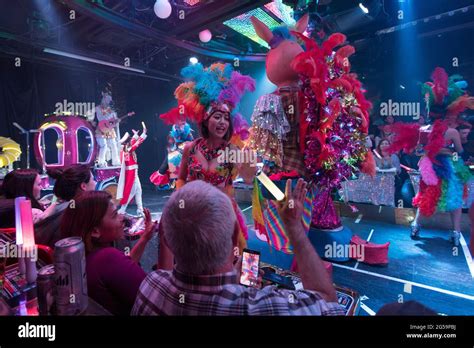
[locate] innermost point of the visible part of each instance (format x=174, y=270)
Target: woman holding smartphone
x=113, y=276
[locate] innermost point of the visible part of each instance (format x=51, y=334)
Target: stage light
x=162, y=9
x=205, y=35
x=279, y=11
x=363, y=8
x=402, y=86
x=92, y=60
x=193, y=60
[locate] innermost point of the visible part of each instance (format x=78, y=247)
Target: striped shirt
x=174, y=293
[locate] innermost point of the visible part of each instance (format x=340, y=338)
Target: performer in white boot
x=107, y=137
x=129, y=185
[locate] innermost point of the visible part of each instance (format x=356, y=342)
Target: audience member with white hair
x=201, y=230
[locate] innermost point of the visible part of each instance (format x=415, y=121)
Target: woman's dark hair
x=204, y=130
x=380, y=143
x=7, y=213
x=19, y=183
x=464, y=126
x=87, y=213
x=69, y=180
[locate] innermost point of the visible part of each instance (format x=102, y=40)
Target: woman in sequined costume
x=210, y=97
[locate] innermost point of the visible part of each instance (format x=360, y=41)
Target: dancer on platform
x=108, y=131
x=180, y=135
x=107, y=139
x=210, y=97
x=443, y=173
x=129, y=185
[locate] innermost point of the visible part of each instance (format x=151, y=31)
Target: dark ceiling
x=114, y=30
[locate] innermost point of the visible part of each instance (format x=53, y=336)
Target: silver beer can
x=70, y=276
x=46, y=290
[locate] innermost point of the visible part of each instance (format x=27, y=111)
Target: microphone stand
x=27, y=135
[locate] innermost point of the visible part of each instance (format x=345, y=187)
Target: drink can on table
x=46, y=290
x=70, y=277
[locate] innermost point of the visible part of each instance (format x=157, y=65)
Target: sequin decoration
x=379, y=190
x=268, y=114
x=269, y=128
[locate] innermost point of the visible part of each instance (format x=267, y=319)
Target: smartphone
x=250, y=268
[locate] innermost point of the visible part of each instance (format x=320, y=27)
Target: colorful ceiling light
x=242, y=24
x=282, y=11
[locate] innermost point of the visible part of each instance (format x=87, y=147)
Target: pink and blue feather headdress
x=205, y=90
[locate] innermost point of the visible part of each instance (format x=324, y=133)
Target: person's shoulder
x=107, y=254
x=153, y=279
x=452, y=132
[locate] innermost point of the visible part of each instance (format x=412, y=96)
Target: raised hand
x=150, y=226
x=291, y=208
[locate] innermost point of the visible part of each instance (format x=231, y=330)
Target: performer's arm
x=456, y=137
x=137, y=142
x=164, y=166
x=452, y=135
x=248, y=168
x=138, y=249
x=183, y=167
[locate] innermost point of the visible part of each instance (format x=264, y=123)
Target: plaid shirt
x=175, y=293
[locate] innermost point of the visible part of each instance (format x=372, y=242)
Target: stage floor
x=424, y=270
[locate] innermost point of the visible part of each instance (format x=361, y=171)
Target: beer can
x=70, y=276
x=46, y=290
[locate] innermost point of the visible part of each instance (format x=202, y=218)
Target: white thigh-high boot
x=102, y=151
x=114, y=151
x=138, y=196
x=133, y=192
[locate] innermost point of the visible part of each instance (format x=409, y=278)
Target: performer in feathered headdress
x=210, y=97
x=179, y=136
x=443, y=173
